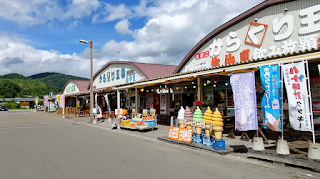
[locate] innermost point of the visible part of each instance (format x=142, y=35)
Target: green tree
x=9, y=89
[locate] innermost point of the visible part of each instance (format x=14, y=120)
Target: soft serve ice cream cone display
x=197, y=116
x=217, y=124
x=207, y=118
x=188, y=117
x=181, y=117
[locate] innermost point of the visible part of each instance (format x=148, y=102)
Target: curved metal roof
x=227, y=25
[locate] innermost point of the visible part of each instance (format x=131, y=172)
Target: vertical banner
x=297, y=93
x=59, y=101
x=271, y=103
x=107, y=101
x=62, y=101
x=46, y=101
x=245, y=101
x=98, y=109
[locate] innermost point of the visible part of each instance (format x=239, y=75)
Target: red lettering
x=244, y=55
x=229, y=59
x=215, y=62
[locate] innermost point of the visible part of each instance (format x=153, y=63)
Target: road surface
x=40, y=145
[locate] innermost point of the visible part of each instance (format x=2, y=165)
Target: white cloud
x=30, y=12
x=122, y=27
x=19, y=57
x=75, y=24
x=80, y=8
x=111, y=13
x=173, y=28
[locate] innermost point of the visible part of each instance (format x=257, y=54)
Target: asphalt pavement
x=41, y=145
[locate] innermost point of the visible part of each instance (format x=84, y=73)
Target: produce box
x=150, y=123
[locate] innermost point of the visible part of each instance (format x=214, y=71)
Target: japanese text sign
x=202, y=55
x=298, y=104
x=271, y=104
x=181, y=134
x=245, y=104
x=118, y=111
x=144, y=112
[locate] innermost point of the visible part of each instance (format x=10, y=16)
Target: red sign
x=255, y=28
x=181, y=134
x=202, y=55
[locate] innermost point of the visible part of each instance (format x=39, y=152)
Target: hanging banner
x=59, y=101
x=56, y=102
x=245, y=101
x=62, y=101
x=107, y=101
x=271, y=104
x=46, y=101
x=297, y=93
x=98, y=110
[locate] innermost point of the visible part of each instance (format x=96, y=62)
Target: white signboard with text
x=269, y=33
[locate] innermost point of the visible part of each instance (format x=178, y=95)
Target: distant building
x=24, y=102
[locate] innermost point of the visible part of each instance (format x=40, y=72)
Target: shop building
x=271, y=33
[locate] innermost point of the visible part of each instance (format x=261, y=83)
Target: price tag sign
x=152, y=112
x=144, y=112
x=202, y=124
x=184, y=123
x=118, y=111
x=193, y=123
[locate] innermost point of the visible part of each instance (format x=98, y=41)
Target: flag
x=245, y=101
x=271, y=104
x=297, y=93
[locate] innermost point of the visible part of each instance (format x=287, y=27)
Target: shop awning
x=247, y=66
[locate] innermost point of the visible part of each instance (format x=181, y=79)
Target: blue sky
x=43, y=35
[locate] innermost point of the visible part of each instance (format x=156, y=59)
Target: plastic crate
x=219, y=145
x=151, y=123
x=207, y=141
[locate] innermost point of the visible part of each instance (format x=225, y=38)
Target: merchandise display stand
x=147, y=122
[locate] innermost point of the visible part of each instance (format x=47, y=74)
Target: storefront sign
x=271, y=104
x=275, y=34
x=197, y=66
x=298, y=103
x=181, y=134
x=202, y=55
x=71, y=88
x=245, y=101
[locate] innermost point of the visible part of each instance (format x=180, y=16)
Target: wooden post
x=199, y=94
x=118, y=99
x=137, y=99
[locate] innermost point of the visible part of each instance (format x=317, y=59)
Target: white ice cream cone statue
x=197, y=116
x=217, y=124
x=181, y=117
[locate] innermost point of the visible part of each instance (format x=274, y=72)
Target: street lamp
x=91, y=86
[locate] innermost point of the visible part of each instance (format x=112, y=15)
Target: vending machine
x=153, y=101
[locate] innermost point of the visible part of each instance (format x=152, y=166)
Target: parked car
x=3, y=108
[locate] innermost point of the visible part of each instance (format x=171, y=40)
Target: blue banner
x=271, y=102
